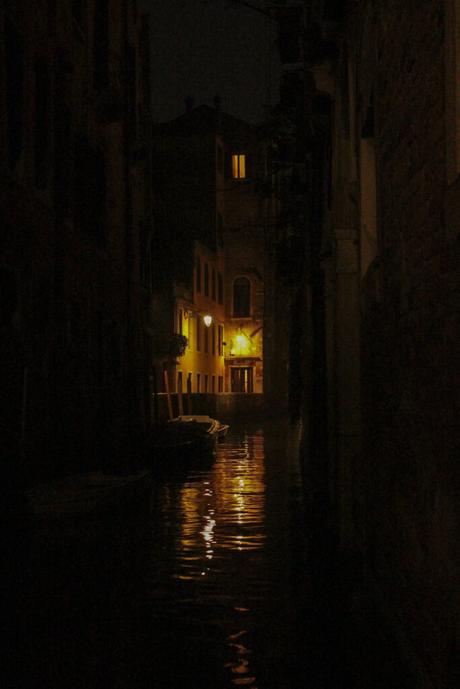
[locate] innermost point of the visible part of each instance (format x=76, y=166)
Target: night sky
x=201, y=48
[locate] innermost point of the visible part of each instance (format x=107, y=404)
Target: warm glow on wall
x=238, y=166
x=242, y=345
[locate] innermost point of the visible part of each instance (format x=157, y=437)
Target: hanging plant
x=177, y=346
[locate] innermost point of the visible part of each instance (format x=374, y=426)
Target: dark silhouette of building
x=74, y=207
x=371, y=97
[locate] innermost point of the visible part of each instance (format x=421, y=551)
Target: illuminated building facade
x=210, y=249
x=201, y=320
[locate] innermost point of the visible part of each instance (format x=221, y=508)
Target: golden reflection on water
x=225, y=512
x=218, y=559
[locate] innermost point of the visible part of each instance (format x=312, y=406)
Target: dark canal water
x=210, y=586
x=220, y=576
x=203, y=591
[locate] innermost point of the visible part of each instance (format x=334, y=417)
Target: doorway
x=241, y=379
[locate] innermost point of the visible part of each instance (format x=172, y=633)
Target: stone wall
x=409, y=334
x=239, y=408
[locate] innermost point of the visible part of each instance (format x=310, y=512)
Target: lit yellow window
x=238, y=166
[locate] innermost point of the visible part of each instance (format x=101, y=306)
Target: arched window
x=241, y=297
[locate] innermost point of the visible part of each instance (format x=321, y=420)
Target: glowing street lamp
x=242, y=345
x=207, y=320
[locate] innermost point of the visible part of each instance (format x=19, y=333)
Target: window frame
x=249, y=283
x=239, y=166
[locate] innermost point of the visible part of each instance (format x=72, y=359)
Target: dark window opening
x=198, y=334
x=220, y=340
x=241, y=297
x=213, y=284
x=220, y=288
x=206, y=280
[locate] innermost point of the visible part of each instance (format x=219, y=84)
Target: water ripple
x=209, y=572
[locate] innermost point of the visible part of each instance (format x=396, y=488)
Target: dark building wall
x=70, y=231
x=405, y=482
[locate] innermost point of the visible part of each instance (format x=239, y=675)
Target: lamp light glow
x=207, y=320
x=241, y=345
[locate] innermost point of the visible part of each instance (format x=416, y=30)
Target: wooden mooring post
x=168, y=393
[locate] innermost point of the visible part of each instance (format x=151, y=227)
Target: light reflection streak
x=221, y=519
x=231, y=495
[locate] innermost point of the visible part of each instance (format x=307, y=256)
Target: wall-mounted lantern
x=207, y=320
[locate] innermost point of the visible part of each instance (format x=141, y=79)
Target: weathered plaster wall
x=410, y=332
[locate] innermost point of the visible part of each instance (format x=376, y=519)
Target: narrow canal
x=204, y=591
x=221, y=579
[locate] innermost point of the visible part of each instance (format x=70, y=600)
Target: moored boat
x=188, y=437
x=211, y=426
